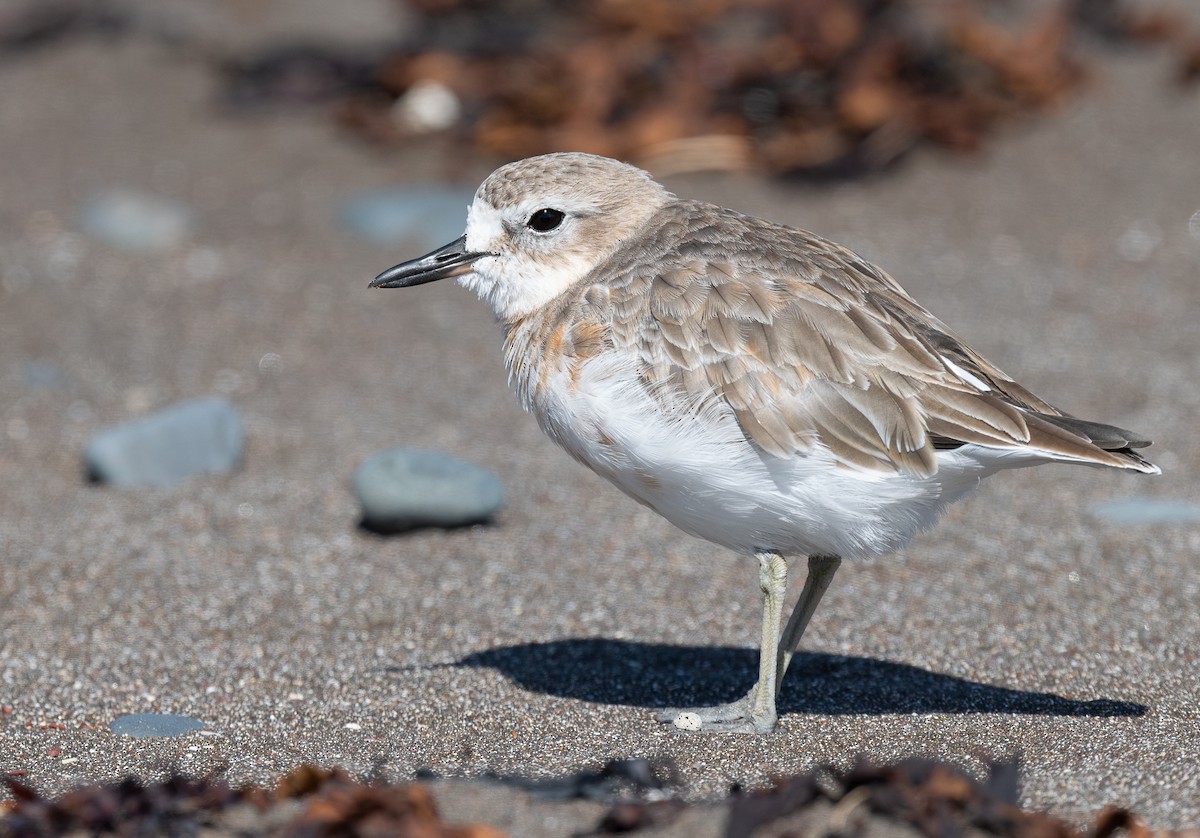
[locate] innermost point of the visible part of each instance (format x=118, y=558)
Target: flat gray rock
x=203, y=436
x=416, y=216
x=1134, y=511
x=145, y=725
x=405, y=488
x=44, y=375
x=132, y=220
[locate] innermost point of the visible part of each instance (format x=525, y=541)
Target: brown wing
x=807, y=342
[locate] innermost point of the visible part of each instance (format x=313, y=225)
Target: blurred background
x=194, y=196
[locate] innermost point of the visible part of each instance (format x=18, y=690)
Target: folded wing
x=808, y=344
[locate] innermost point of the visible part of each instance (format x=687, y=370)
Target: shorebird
x=756, y=385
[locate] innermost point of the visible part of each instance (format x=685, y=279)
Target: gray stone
x=132, y=220
x=403, y=488
x=1132, y=511
x=144, y=725
x=203, y=436
x=418, y=216
x=44, y=375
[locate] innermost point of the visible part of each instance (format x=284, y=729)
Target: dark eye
x=545, y=220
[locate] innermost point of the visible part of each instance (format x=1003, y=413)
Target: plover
x=758, y=386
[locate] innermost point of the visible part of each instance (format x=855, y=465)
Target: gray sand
x=1022, y=626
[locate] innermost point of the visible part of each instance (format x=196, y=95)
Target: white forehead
x=485, y=224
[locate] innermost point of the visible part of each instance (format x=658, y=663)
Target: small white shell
x=428, y=106
x=688, y=721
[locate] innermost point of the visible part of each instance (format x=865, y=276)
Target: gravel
x=132, y=220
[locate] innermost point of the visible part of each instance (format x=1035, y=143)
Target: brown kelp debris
x=913, y=797
x=338, y=806
x=806, y=86
x=837, y=86
x=308, y=803
x=124, y=808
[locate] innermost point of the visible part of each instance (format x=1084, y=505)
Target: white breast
x=692, y=464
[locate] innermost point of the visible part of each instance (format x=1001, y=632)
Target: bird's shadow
x=657, y=675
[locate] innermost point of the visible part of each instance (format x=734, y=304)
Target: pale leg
x=754, y=712
x=820, y=574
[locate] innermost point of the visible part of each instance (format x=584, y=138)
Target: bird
x=758, y=386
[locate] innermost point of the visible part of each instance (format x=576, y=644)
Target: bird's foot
x=741, y=716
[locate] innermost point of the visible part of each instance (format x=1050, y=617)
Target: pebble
x=143, y=725
x=1132, y=511
x=417, y=216
x=426, y=107
x=203, y=436
x=1139, y=241
x=688, y=721
x=132, y=220
x=403, y=488
x=44, y=375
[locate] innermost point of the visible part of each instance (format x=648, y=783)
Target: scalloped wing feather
x=809, y=343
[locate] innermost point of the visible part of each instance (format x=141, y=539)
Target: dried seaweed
x=812, y=87
x=331, y=804
x=923, y=796
x=932, y=798
x=786, y=86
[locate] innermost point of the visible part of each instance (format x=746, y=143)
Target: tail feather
x=1089, y=442
x=1108, y=437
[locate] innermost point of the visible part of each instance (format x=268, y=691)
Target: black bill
x=443, y=263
